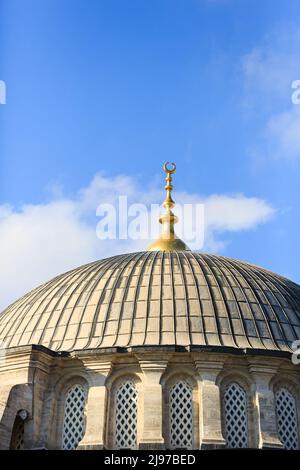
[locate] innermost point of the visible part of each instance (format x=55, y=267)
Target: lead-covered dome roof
x=155, y=299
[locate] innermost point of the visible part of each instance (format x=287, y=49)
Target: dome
x=144, y=299
x=154, y=350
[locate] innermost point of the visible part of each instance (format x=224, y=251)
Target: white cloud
x=40, y=241
x=283, y=133
x=269, y=71
x=235, y=213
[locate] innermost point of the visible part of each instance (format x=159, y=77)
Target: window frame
x=56, y=408
x=245, y=382
x=168, y=383
x=244, y=392
x=114, y=382
x=290, y=389
x=68, y=390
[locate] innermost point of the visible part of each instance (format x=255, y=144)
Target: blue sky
x=114, y=88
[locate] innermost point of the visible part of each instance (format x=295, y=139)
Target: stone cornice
x=25, y=359
x=94, y=362
x=208, y=370
x=154, y=361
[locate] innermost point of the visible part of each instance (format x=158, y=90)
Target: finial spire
x=168, y=240
x=168, y=202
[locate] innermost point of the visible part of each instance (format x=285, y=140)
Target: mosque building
x=160, y=349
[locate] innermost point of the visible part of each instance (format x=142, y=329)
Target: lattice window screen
x=181, y=416
x=126, y=416
x=287, y=423
x=17, y=440
x=74, y=425
x=236, y=423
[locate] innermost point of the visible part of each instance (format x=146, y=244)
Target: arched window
x=17, y=435
x=235, y=414
x=126, y=416
x=286, y=414
x=181, y=416
x=74, y=423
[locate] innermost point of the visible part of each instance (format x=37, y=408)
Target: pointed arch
x=235, y=415
x=181, y=416
x=74, y=417
x=286, y=418
x=126, y=414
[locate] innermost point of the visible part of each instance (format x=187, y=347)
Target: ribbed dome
x=156, y=298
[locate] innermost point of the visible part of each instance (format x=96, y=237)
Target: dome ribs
x=224, y=300
x=233, y=268
x=198, y=292
x=222, y=268
x=264, y=288
x=40, y=299
x=86, y=272
x=156, y=298
x=214, y=316
x=214, y=266
x=135, y=258
x=27, y=301
x=162, y=272
x=256, y=275
x=284, y=286
x=107, y=267
x=173, y=295
x=141, y=271
x=154, y=257
x=187, y=309
x=92, y=281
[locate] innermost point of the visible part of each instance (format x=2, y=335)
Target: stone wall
x=36, y=380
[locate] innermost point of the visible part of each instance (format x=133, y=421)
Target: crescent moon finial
x=168, y=240
x=166, y=169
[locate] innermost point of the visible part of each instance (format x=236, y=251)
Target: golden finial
x=168, y=202
x=168, y=240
